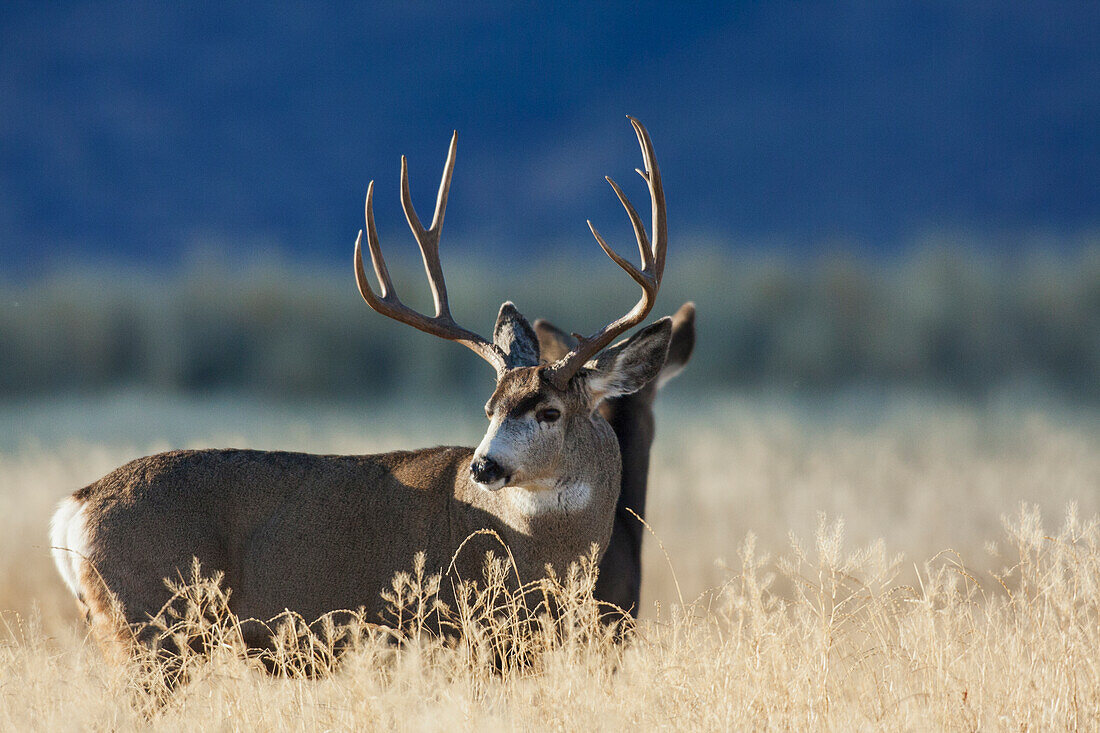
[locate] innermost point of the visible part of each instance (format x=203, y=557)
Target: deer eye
x=547, y=414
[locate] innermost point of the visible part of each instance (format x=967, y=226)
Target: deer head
x=541, y=416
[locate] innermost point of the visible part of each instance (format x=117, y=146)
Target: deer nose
x=486, y=471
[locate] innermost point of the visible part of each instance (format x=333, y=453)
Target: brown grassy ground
x=927, y=597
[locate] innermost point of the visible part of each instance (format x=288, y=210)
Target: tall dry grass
x=989, y=618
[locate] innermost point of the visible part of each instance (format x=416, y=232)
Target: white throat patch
x=563, y=499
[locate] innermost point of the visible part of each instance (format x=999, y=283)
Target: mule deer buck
x=314, y=534
x=631, y=417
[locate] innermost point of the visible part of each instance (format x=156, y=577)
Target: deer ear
x=514, y=336
x=681, y=344
x=629, y=365
x=554, y=343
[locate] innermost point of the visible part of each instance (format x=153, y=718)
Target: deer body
x=316, y=534
x=322, y=535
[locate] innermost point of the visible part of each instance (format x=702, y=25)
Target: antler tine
x=649, y=277
x=380, y=269
x=652, y=177
x=636, y=222
x=428, y=239
x=442, y=324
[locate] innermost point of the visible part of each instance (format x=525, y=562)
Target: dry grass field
x=851, y=565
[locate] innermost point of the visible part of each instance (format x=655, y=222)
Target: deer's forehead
x=518, y=386
x=523, y=389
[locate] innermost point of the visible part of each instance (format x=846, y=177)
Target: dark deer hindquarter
x=620, y=578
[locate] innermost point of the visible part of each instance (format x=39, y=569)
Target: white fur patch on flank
x=570, y=498
x=69, y=541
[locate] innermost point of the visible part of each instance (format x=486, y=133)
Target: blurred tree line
x=940, y=319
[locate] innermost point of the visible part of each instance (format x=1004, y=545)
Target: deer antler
x=649, y=277
x=442, y=324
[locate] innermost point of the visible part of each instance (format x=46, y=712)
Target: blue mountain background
x=135, y=132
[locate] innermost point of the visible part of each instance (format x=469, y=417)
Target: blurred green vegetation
x=940, y=318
